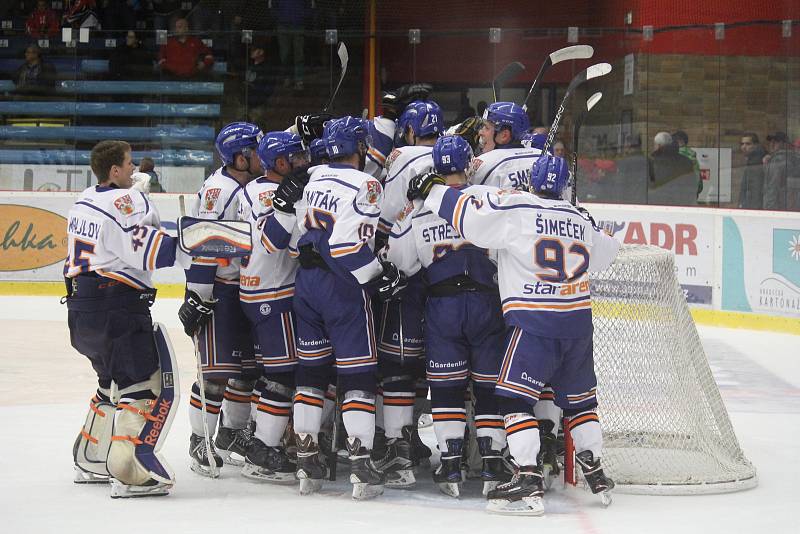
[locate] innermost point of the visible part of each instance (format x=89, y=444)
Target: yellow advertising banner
x=31, y=237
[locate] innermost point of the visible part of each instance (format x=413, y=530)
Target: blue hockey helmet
x=276, y=144
x=236, y=137
x=343, y=136
x=317, y=152
x=549, y=176
x=508, y=115
x=424, y=117
x=451, y=154
x=532, y=140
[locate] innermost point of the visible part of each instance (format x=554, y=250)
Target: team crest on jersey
x=124, y=204
x=373, y=191
x=211, y=197
x=407, y=209
x=393, y=156
x=504, y=192
x=474, y=166
x=265, y=198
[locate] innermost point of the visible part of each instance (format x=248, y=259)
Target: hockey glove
x=195, y=312
x=420, y=185
x=389, y=283
x=394, y=102
x=469, y=131
x=290, y=191
x=310, y=127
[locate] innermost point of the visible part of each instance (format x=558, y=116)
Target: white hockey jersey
x=402, y=165
x=420, y=238
x=382, y=133
x=264, y=277
x=117, y=233
x=216, y=200
x=506, y=168
x=545, y=248
x=337, y=215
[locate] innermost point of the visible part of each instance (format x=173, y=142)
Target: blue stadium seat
x=142, y=88
x=49, y=156
x=93, y=133
x=108, y=109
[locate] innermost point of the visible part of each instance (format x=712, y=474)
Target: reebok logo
x=160, y=415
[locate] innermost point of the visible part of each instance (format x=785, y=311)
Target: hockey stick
x=563, y=54
x=333, y=456
x=590, y=103
x=212, y=464
x=595, y=71
x=343, y=59
x=508, y=73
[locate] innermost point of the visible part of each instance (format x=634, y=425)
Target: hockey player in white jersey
x=266, y=289
x=338, y=276
x=464, y=329
x=545, y=247
x=400, y=363
x=503, y=162
x=115, y=242
x=225, y=342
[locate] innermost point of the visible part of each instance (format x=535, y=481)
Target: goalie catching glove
x=390, y=283
x=290, y=190
x=420, y=186
x=469, y=131
x=195, y=312
x=394, y=102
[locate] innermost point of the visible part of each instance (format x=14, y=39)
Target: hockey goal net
x=665, y=427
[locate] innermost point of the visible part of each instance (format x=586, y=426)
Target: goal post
x=665, y=428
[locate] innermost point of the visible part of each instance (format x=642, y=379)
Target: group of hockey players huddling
x=389, y=256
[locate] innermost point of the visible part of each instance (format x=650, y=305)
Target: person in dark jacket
x=672, y=180
x=751, y=193
x=132, y=61
x=782, y=165
x=35, y=75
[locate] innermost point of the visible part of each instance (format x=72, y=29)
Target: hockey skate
x=197, y=451
x=597, y=480
x=232, y=444
x=496, y=469
x=396, y=462
x=448, y=475
x=548, y=457
x=420, y=453
x=522, y=495
x=367, y=480
x=311, y=468
x=270, y=464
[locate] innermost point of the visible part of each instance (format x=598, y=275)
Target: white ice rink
x=45, y=386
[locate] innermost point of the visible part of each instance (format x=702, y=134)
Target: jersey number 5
x=551, y=254
x=81, y=251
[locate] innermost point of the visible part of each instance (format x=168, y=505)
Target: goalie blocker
x=214, y=239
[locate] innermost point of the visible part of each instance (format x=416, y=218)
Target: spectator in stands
x=783, y=164
x=681, y=139
x=132, y=61
x=43, y=22
x=290, y=17
x=751, y=192
x=260, y=85
x=559, y=149
x=35, y=75
x=147, y=166
x=82, y=14
x=671, y=175
x=185, y=56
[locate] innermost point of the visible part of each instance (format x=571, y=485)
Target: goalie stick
x=508, y=73
x=563, y=54
x=343, y=59
x=590, y=103
x=595, y=71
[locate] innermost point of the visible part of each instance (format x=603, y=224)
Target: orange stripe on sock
x=583, y=419
x=272, y=410
x=308, y=400
x=355, y=405
x=516, y=427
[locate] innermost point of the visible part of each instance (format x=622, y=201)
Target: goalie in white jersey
x=115, y=242
x=464, y=328
x=266, y=291
x=504, y=162
x=545, y=248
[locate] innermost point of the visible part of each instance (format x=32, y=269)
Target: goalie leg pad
x=92, y=444
x=144, y=416
x=215, y=239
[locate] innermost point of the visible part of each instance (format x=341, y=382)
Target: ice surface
x=45, y=386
